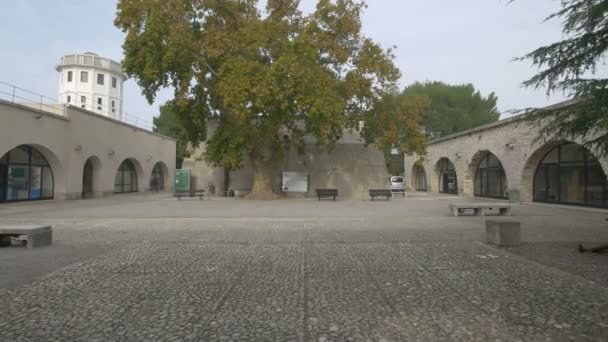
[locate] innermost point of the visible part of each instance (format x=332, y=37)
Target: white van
x=397, y=184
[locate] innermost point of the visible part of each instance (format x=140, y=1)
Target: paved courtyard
x=149, y=268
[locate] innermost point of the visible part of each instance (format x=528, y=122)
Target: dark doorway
x=448, y=182
x=87, y=180
x=420, y=178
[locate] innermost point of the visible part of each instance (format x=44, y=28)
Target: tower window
x=69, y=76
x=99, y=103
x=83, y=101
x=100, y=79
x=69, y=99
x=84, y=76
x=113, y=82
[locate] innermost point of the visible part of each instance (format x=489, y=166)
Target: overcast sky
x=465, y=41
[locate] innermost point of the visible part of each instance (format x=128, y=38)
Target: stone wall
x=511, y=140
x=67, y=142
x=350, y=167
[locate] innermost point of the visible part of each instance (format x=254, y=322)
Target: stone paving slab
x=299, y=271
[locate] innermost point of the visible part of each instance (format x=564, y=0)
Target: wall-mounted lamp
x=77, y=147
x=510, y=146
x=459, y=155
x=37, y=116
x=148, y=158
x=111, y=152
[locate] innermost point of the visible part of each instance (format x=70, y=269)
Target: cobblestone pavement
x=147, y=268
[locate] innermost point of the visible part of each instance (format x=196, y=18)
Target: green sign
x=182, y=180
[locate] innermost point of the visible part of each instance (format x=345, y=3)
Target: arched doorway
x=91, y=178
x=125, y=180
x=25, y=175
x=490, y=178
x=420, y=178
x=87, y=180
x=571, y=174
x=448, y=181
x=157, y=179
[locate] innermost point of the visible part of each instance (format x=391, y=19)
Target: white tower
x=92, y=82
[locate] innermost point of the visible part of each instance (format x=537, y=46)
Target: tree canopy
x=168, y=123
x=452, y=108
x=260, y=74
x=572, y=66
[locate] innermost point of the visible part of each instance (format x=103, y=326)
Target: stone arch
x=127, y=168
x=446, y=176
x=165, y=182
x=579, y=165
x=57, y=172
x=471, y=181
x=92, y=178
x=419, y=179
x=530, y=166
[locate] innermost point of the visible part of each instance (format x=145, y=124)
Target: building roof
x=499, y=123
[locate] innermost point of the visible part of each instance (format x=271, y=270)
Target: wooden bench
x=386, y=193
x=192, y=193
x=327, y=193
x=33, y=235
x=479, y=209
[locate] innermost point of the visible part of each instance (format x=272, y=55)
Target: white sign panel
x=295, y=182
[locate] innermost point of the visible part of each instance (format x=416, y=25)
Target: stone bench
x=479, y=209
x=503, y=233
x=34, y=235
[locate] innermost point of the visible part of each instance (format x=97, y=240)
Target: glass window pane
x=552, y=183
x=573, y=183
x=118, y=181
x=552, y=157
x=572, y=153
x=478, y=183
x=494, y=183
x=47, y=183
x=133, y=181
x=38, y=158
x=596, y=185
x=540, y=184
x=483, y=164
x=493, y=161
x=35, y=182
x=19, y=155
x=546, y=183
x=3, y=175
x=126, y=177
x=18, y=183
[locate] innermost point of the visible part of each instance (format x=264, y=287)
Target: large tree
x=573, y=66
x=453, y=108
x=259, y=74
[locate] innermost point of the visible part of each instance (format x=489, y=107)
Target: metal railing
x=24, y=97
x=14, y=94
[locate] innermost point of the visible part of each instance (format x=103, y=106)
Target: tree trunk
x=263, y=174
